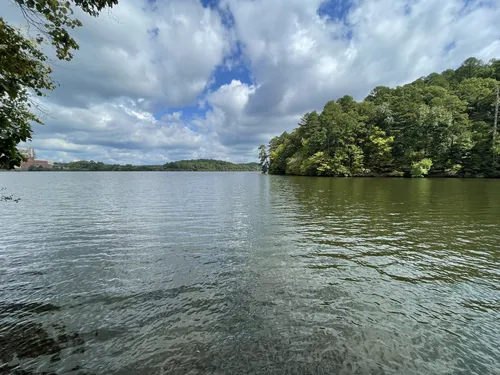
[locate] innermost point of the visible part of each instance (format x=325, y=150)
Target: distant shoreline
x=197, y=165
x=145, y=170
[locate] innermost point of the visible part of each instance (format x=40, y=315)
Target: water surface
x=239, y=273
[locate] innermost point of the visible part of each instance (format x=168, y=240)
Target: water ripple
x=238, y=273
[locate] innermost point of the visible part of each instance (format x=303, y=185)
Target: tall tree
x=263, y=159
x=23, y=65
x=471, y=68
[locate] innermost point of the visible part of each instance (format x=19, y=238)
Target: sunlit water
x=239, y=273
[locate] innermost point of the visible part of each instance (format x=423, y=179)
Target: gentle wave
x=236, y=273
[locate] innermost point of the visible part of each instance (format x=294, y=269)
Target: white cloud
x=301, y=60
x=136, y=52
x=233, y=126
x=231, y=98
x=118, y=126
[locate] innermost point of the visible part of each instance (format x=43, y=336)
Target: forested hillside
x=84, y=165
x=209, y=165
x=181, y=165
x=442, y=125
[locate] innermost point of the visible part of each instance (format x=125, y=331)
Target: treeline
x=182, y=165
x=208, y=165
x=84, y=165
x=441, y=125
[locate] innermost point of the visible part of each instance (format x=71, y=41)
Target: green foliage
x=21, y=68
x=439, y=125
x=181, y=165
x=421, y=168
x=207, y=165
x=454, y=170
x=378, y=150
x=84, y=165
x=316, y=165
x=23, y=65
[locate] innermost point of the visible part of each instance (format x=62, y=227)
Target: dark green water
x=239, y=273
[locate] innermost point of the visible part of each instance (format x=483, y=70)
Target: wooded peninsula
x=439, y=125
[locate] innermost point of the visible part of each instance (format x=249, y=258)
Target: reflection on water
x=238, y=273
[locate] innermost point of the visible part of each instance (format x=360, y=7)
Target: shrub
x=421, y=168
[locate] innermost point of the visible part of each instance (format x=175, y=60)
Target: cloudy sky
x=163, y=80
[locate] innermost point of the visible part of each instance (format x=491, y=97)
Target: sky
x=164, y=80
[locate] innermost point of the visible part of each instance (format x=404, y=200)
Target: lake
x=241, y=273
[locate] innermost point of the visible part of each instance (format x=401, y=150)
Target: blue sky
x=164, y=80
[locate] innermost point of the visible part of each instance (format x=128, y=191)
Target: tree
x=280, y=149
x=24, y=71
x=435, y=79
x=378, y=149
x=479, y=94
x=495, y=66
x=263, y=159
x=471, y=68
x=421, y=168
x=380, y=94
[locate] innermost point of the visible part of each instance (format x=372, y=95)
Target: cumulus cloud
x=164, y=54
x=108, y=130
x=158, y=81
x=301, y=59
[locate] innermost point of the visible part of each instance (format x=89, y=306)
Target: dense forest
x=440, y=125
x=84, y=165
x=182, y=165
x=209, y=165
